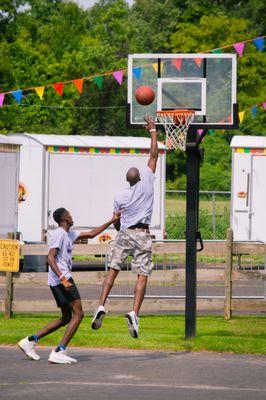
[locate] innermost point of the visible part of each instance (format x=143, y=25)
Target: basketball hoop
x=176, y=124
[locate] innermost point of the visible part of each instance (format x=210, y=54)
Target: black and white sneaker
x=133, y=324
x=99, y=315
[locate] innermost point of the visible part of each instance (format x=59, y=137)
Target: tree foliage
x=44, y=42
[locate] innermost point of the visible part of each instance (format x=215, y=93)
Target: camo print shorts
x=135, y=243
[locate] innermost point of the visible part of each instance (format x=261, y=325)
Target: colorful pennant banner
x=137, y=72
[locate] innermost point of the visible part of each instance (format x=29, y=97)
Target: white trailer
x=82, y=174
x=9, y=169
x=248, y=191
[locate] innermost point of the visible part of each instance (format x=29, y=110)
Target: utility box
x=9, y=185
x=248, y=191
x=82, y=174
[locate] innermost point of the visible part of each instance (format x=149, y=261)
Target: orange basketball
x=145, y=95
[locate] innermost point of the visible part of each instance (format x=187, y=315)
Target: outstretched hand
x=150, y=123
x=117, y=215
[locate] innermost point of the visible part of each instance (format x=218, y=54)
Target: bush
x=176, y=225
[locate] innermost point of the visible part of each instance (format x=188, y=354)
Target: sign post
x=9, y=262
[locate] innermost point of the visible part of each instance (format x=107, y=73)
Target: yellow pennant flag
x=241, y=116
x=155, y=66
x=40, y=91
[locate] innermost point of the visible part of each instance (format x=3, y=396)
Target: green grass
x=178, y=206
x=242, y=334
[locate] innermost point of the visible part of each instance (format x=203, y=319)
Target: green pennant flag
x=216, y=51
x=98, y=80
x=211, y=132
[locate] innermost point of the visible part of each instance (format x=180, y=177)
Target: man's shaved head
x=133, y=176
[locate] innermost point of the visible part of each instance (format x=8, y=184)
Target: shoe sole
x=131, y=329
x=56, y=362
x=21, y=348
x=97, y=322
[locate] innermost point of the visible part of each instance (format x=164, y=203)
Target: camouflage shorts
x=133, y=243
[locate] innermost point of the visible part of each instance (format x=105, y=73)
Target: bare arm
x=52, y=262
x=154, y=144
x=95, y=231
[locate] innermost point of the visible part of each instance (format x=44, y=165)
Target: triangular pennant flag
x=79, y=84
x=259, y=43
x=198, y=61
x=155, y=66
x=216, y=51
x=98, y=80
x=2, y=98
x=58, y=87
x=211, y=132
x=264, y=105
x=118, y=75
x=40, y=91
x=137, y=72
x=241, y=116
x=17, y=94
x=254, y=111
x=177, y=62
x=239, y=48
x=200, y=131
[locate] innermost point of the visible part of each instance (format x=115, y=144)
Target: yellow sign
x=9, y=255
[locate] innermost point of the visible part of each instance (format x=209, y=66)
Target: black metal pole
x=193, y=165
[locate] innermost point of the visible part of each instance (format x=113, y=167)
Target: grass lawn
x=242, y=334
x=178, y=206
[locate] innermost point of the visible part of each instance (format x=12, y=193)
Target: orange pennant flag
x=198, y=61
x=58, y=87
x=177, y=62
x=40, y=91
x=79, y=84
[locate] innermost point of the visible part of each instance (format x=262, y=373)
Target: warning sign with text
x=9, y=255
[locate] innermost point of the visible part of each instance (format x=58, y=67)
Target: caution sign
x=9, y=255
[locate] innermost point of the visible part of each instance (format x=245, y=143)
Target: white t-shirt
x=63, y=241
x=136, y=201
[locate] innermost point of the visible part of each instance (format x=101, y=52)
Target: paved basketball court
x=128, y=375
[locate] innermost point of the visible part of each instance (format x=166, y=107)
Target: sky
x=89, y=3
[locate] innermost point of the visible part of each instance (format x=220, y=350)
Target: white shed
x=9, y=169
x=248, y=192
x=82, y=174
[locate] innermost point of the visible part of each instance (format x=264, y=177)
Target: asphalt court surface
x=133, y=375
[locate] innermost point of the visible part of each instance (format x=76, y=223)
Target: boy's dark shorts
x=64, y=297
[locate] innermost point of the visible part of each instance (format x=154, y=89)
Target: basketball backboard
x=205, y=83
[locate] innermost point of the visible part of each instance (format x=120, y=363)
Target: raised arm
x=99, y=229
x=151, y=127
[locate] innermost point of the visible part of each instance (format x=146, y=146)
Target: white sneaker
x=99, y=315
x=133, y=324
x=28, y=348
x=60, y=357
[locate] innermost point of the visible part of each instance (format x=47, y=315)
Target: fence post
x=228, y=276
x=9, y=294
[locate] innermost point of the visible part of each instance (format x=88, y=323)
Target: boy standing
x=63, y=287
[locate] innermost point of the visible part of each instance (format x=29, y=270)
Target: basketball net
x=176, y=124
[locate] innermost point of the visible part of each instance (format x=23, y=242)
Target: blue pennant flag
x=137, y=72
x=259, y=43
x=254, y=111
x=17, y=94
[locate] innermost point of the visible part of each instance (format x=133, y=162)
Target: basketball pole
x=192, y=212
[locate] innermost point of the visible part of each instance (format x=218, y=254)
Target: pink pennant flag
x=177, y=62
x=239, y=48
x=264, y=105
x=118, y=75
x=2, y=98
x=200, y=131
